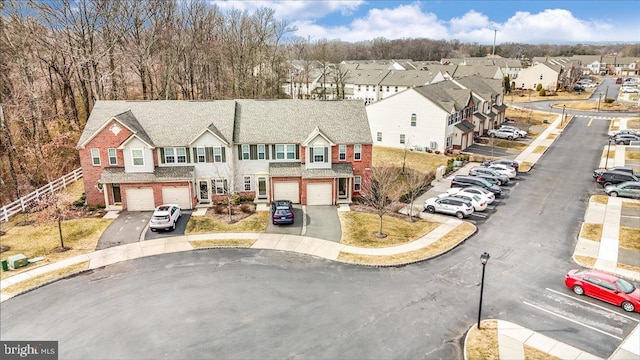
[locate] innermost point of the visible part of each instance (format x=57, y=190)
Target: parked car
x=464, y=181
x=478, y=202
x=627, y=169
x=614, y=177
x=512, y=163
x=487, y=195
x=503, y=134
x=504, y=170
x=578, y=88
x=619, y=81
x=521, y=133
x=630, y=189
x=615, y=133
x=625, y=139
x=487, y=172
x=165, y=217
x=459, y=207
x=630, y=90
x=281, y=212
x=605, y=287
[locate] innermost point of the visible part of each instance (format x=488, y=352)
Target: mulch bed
x=238, y=212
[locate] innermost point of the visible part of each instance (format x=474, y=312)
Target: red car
x=605, y=287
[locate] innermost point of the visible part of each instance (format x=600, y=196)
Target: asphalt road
x=269, y=304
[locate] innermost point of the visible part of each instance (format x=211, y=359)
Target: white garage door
x=319, y=194
x=286, y=191
x=140, y=199
x=177, y=195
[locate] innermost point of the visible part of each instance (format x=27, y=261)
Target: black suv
x=627, y=169
x=464, y=181
x=615, y=177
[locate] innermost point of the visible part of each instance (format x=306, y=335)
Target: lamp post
x=483, y=259
x=599, y=97
x=606, y=159
x=562, y=120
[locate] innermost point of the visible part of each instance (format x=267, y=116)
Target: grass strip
x=44, y=278
x=256, y=222
x=591, y=231
x=482, y=344
x=221, y=242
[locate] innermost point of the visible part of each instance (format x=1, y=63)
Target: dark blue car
x=281, y=212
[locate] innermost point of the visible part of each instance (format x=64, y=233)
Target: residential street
x=257, y=304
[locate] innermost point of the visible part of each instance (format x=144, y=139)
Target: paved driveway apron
x=181, y=226
x=323, y=223
x=125, y=229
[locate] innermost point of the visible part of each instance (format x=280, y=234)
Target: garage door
x=319, y=194
x=177, y=195
x=286, y=191
x=140, y=199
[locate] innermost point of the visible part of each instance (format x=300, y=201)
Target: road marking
x=304, y=221
x=573, y=321
x=590, y=121
x=595, y=305
x=475, y=214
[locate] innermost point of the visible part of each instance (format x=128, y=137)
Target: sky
x=531, y=22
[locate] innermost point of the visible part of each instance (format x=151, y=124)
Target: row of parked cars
x=473, y=192
x=619, y=181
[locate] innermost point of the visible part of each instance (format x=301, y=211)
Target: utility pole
x=494, y=41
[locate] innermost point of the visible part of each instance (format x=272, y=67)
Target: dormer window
x=318, y=154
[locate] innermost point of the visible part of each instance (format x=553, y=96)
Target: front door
x=117, y=197
x=204, y=191
x=262, y=187
x=343, y=187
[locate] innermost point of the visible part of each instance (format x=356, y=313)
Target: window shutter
x=188, y=155
x=297, y=152
x=162, y=155
x=239, y=152
x=273, y=148
x=195, y=155
x=226, y=187
x=310, y=152
x=326, y=154
x=253, y=152
x=209, y=154
x=266, y=152
x=224, y=157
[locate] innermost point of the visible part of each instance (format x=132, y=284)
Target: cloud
x=404, y=21
x=298, y=9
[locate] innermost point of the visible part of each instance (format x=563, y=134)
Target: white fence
x=24, y=202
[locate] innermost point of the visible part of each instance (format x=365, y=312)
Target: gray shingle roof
x=128, y=119
x=291, y=121
x=464, y=126
x=112, y=175
x=408, y=78
x=166, y=123
x=446, y=94
x=365, y=77
x=337, y=170
x=285, y=169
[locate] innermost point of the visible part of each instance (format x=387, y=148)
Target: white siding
x=392, y=117
x=212, y=170
x=128, y=161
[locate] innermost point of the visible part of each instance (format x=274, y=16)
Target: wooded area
x=58, y=57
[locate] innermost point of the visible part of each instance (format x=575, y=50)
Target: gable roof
x=408, y=78
x=163, y=122
x=291, y=121
x=446, y=94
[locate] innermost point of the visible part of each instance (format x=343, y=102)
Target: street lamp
x=483, y=259
x=606, y=159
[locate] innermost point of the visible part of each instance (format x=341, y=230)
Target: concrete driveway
x=125, y=229
x=320, y=222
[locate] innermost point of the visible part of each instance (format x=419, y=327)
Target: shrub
x=101, y=206
x=247, y=209
x=81, y=201
x=542, y=92
x=437, y=152
x=609, y=100
x=539, y=87
x=220, y=209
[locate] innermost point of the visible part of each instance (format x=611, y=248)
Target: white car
x=520, y=132
x=486, y=195
x=165, y=217
x=503, y=134
x=479, y=202
x=504, y=170
x=459, y=207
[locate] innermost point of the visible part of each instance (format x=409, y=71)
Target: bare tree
x=54, y=208
x=415, y=182
x=380, y=191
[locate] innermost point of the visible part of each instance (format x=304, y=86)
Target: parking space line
x=304, y=221
x=573, y=321
x=590, y=121
x=595, y=305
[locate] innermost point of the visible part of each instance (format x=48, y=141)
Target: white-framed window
x=246, y=155
x=379, y=136
x=247, y=183
x=219, y=185
x=342, y=152
x=169, y=156
x=414, y=119
x=261, y=152
x=357, y=183
x=113, y=159
x=280, y=152
x=181, y=155
x=95, y=157
x=402, y=139
x=201, y=155
x=357, y=152
x=291, y=151
x=285, y=151
x=217, y=154
x=318, y=154
x=137, y=157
